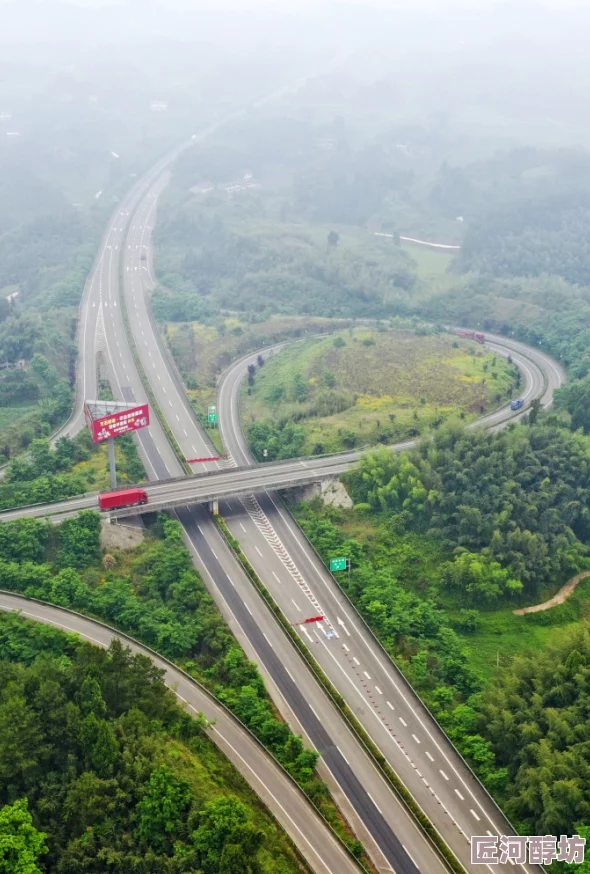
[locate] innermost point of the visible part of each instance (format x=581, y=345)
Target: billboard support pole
x=112, y=467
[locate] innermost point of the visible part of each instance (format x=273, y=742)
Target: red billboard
x=118, y=422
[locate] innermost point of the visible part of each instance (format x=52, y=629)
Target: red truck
x=471, y=335
x=124, y=498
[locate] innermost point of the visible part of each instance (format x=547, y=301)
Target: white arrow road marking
x=343, y=626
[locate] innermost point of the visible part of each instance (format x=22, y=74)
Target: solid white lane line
x=343, y=756
x=314, y=713
x=248, y=609
x=373, y=800
x=213, y=551
x=267, y=640
x=307, y=634
x=410, y=858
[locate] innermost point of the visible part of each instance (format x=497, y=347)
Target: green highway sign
x=212, y=414
x=338, y=564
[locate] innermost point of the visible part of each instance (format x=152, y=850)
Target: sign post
x=339, y=564
x=112, y=467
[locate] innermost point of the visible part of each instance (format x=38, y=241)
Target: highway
x=282, y=796
x=387, y=707
x=393, y=840
x=391, y=713
x=359, y=668
x=366, y=799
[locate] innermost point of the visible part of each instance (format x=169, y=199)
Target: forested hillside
x=156, y=595
x=99, y=766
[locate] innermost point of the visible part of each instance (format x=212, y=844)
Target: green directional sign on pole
x=212, y=415
x=338, y=564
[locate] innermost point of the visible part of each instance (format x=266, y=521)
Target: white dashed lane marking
x=417, y=739
x=474, y=814
x=429, y=756
x=444, y=775
x=458, y=794
x=373, y=800
x=403, y=722
x=390, y=705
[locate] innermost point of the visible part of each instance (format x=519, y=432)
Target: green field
x=377, y=386
x=202, y=351
x=432, y=265
x=10, y=415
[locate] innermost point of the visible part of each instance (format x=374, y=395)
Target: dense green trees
x=535, y=716
x=520, y=497
x=575, y=398
x=21, y=844
x=99, y=765
x=283, y=440
x=209, y=261
x=158, y=597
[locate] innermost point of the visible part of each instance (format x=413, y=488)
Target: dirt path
x=563, y=594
